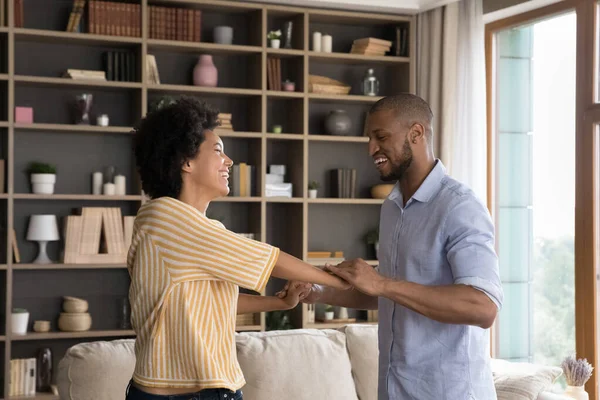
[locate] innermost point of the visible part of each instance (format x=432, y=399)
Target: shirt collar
x=430, y=186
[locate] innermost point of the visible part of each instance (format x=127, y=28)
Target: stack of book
x=183, y=24
x=343, y=183
x=113, y=18
x=241, y=180
x=85, y=74
x=120, y=66
x=97, y=229
x=274, y=73
x=75, y=16
x=22, y=377
x=371, y=46
x=225, y=119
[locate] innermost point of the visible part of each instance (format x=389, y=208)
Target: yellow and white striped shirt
x=185, y=272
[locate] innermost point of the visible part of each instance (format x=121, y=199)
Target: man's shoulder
x=454, y=193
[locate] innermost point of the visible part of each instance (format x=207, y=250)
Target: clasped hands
x=358, y=273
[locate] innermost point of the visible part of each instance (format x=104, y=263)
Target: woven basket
x=325, y=85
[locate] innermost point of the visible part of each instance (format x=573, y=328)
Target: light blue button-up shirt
x=443, y=235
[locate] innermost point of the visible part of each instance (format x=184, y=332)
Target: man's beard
x=398, y=170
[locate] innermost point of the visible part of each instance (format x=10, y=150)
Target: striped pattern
x=185, y=273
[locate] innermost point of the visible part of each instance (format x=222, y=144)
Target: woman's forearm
x=291, y=268
x=248, y=303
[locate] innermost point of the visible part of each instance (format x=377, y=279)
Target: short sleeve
x=470, y=248
x=189, y=241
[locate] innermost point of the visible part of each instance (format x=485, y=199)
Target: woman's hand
x=294, y=293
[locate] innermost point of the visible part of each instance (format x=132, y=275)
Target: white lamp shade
x=42, y=228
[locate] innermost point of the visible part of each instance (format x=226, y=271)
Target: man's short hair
x=406, y=107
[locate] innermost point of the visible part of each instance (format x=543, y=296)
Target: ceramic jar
x=205, y=72
x=338, y=123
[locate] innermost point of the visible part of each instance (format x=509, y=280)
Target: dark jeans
x=134, y=393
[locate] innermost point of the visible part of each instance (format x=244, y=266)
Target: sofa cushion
x=364, y=355
x=295, y=364
x=522, y=381
x=99, y=370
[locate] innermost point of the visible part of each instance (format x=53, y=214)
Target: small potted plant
x=328, y=313
x=312, y=189
x=19, y=321
x=275, y=38
x=43, y=177
x=372, y=238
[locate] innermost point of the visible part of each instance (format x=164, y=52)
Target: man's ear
x=417, y=132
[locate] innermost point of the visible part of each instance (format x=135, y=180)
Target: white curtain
x=451, y=77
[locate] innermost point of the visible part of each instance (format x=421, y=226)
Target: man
x=437, y=288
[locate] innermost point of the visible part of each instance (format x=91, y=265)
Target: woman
x=186, y=269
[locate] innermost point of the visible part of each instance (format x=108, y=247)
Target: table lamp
x=42, y=229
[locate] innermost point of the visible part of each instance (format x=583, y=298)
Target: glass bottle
x=370, y=85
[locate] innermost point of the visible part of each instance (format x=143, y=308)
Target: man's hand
x=360, y=275
x=294, y=292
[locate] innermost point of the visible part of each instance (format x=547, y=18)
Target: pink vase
x=205, y=72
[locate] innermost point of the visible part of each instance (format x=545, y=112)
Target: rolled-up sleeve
x=470, y=248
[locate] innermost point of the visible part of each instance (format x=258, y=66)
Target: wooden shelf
x=49, y=81
x=347, y=139
x=3, y=267
x=4, y=77
x=195, y=47
x=47, y=35
x=347, y=98
x=285, y=136
x=285, y=52
x=4, y=196
x=356, y=58
x=241, y=135
x=90, y=197
x=236, y=199
x=345, y=201
x=284, y=199
x=2, y=338
x=71, y=335
x=205, y=90
x=66, y=266
x=283, y=95
x=73, y=128
x=4, y=124
x=38, y=396
x=247, y=328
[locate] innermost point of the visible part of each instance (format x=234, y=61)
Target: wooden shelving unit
x=37, y=54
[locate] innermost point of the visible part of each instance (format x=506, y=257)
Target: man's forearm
x=347, y=298
x=248, y=303
x=452, y=304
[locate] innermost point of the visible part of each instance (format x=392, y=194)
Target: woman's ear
x=187, y=166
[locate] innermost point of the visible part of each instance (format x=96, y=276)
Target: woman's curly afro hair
x=168, y=137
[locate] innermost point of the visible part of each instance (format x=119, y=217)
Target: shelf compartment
x=279, y=69
x=237, y=216
x=276, y=19
x=328, y=156
x=288, y=153
x=317, y=118
x=342, y=227
x=245, y=109
x=287, y=113
x=246, y=151
x=236, y=73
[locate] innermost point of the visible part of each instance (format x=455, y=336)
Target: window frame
x=587, y=115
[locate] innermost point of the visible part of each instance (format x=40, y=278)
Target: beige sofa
x=296, y=364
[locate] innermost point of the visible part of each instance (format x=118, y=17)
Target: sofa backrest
x=298, y=364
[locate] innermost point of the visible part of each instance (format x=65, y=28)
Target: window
x=535, y=189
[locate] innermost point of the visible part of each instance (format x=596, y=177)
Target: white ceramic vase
x=328, y=315
x=43, y=183
x=19, y=323
x=576, y=392
x=275, y=43
x=312, y=193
